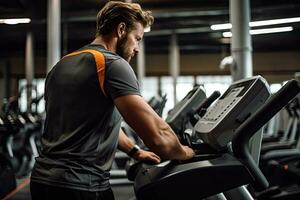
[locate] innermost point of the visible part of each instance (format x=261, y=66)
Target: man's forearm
x=154, y=131
x=168, y=146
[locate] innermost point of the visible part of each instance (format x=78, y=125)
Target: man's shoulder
x=102, y=50
x=111, y=58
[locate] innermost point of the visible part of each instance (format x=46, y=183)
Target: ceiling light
x=263, y=31
x=221, y=26
x=258, y=23
x=271, y=30
x=15, y=21
x=274, y=21
x=227, y=34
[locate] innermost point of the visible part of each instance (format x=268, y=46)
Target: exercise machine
x=241, y=112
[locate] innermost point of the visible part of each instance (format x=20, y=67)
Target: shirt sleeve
x=120, y=79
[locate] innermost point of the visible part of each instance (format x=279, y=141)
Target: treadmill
x=227, y=128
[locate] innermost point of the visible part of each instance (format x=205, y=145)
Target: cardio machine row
x=19, y=138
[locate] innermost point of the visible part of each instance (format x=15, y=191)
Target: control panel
x=240, y=100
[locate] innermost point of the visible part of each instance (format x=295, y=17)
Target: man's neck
x=107, y=42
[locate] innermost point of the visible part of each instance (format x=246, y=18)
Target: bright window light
x=263, y=31
x=275, y=87
x=147, y=29
x=258, y=23
x=15, y=21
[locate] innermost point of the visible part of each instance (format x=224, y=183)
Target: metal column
x=174, y=62
x=53, y=31
x=241, y=51
x=241, y=48
x=29, y=67
x=141, y=64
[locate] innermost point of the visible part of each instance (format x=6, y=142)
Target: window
x=149, y=87
x=37, y=91
x=213, y=83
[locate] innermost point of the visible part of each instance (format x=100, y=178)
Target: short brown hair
x=115, y=12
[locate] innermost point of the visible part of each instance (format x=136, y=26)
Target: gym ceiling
x=191, y=19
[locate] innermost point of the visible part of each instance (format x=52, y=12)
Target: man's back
x=82, y=124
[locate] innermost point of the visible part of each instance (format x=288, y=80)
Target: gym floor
x=22, y=192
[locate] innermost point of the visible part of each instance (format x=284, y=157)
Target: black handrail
x=200, y=109
x=257, y=120
x=205, y=104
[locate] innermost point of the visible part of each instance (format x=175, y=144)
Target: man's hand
x=149, y=156
x=157, y=135
x=190, y=153
x=125, y=145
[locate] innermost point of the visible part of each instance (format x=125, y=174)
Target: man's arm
x=153, y=130
x=126, y=145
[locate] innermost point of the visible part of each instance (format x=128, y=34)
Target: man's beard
x=121, y=46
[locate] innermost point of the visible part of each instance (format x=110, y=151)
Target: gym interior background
x=182, y=49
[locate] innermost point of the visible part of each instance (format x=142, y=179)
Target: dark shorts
x=46, y=192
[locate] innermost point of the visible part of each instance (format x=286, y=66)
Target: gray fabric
x=82, y=125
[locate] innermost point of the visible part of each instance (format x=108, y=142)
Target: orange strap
x=100, y=63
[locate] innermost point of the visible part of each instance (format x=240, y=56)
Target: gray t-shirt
x=82, y=124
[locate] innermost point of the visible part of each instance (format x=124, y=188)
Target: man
x=85, y=94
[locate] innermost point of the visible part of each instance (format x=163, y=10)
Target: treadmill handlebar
x=256, y=121
x=198, y=110
x=209, y=101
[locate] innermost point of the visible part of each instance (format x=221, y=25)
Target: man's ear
x=121, y=29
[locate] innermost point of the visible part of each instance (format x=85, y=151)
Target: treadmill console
x=241, y=99
x=176, y=117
